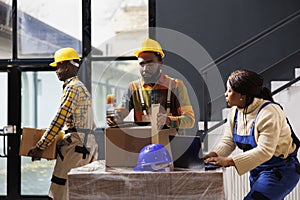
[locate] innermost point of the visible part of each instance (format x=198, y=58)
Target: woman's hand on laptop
x=210, y=154
x=220, y=161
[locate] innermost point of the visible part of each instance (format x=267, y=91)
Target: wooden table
x=96, y=181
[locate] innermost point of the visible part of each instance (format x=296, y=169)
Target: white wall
x=289, y=99
x=3, y=100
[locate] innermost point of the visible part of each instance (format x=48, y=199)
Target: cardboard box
x=122, y=145
x=30, y=136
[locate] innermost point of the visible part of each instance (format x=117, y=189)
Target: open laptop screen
x=186, y=152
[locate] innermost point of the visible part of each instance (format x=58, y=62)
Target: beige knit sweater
x=272, y=135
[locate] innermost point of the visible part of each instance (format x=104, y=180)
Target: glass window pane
x=45, y=26
x=3, y=99
x=3, y=144
x=41, y=93
x=119, y=26
x=5, y=29
x=110, y=78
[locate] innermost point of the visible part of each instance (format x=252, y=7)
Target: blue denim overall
x=273, y=179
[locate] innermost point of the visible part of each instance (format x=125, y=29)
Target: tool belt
x=80, y=130
x=78, y=149
x=82, y=150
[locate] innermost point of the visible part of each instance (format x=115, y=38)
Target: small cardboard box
x=122, y=145
x=30, y=136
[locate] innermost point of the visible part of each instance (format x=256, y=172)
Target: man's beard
x=153, y=78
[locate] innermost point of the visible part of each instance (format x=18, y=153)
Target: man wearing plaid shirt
x=75, y=118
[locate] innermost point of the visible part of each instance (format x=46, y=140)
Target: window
x=3, y=144
x=45, y=26
x=119, y=26
x=5, y=30
x=41, y=93
x=110, y=78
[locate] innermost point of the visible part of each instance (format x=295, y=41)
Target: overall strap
x=294, y=136
x=235, y=120
x=244, y=142
x=253, y=123
x=142, y=99
x=169, y=97
x=264, y=105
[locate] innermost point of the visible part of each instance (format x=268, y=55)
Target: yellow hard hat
x=150, y=45
x=65, y=54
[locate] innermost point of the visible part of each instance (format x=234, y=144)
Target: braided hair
x=250, y=84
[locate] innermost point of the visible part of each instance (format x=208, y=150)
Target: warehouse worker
x=258, y=126
x=75, y=117
x=155, y=87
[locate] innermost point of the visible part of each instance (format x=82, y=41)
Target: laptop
x=186, y=152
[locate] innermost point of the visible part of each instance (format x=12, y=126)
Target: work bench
x=97, y=181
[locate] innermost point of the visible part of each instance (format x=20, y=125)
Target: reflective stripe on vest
x=168, y=108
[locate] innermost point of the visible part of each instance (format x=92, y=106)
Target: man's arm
x=64, y=111
x=122, y=111
x=187, y=117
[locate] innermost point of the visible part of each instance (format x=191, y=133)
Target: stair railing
x=203, y=133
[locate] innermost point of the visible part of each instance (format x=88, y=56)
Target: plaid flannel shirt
x=72, y=112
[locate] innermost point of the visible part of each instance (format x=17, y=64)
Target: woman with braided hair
x=258, y=126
